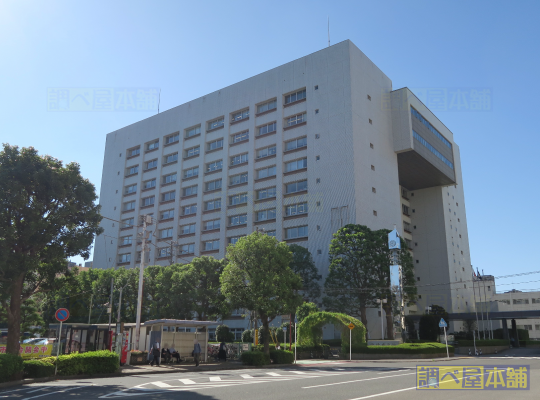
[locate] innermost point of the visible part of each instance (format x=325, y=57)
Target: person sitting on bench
x=166, y=354
x=175, y=354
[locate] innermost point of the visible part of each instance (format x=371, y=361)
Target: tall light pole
x=146, y=220
x=381, y=301
x=109, y=309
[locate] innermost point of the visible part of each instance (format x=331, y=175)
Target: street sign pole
x=61, y=315
x=295, y=341
x=446, y=340
x=350, y=344
x=58, y=349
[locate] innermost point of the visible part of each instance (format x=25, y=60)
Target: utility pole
x=487, y=306
x=110, y=303
x=481, y=308
x=146, y=219
x=120, y=305
x=476, y=311
x=381, y=301
x=90, y=313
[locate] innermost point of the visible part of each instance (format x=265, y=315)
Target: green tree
x=258, y=277
x=304, y=310
x=200, y=288
x=303, y=264
x=47, y=214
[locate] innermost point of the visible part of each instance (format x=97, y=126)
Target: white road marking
x=215, y=379
x=187, y=381
x=299, y=372
x=358, y=380
x=385, y=393
x=388, y=372
x=246, y=376
x=161, y=384
x=61, y=391
x=273, y=374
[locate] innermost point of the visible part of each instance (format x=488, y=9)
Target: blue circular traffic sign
x=62, y=314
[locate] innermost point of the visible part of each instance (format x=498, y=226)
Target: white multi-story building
x=299, y=151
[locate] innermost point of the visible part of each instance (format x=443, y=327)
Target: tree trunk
x=389, y=321
x=14, y=317
x=266, y=336
x=363, y=318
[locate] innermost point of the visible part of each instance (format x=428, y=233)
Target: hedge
x=37, y=369
x=10, y=365
x=90, y=363
x=255, y=358
x=405, y=348
x=323, y=348
x=492, y=342
x=282, y=356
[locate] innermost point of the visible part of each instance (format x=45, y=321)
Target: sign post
x=443, y=324
x=351, y=327
x=61, y=315
x=285, y=336
x=295, y=338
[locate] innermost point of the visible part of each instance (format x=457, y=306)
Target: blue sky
x=191, y=48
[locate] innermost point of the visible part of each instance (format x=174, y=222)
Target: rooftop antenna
x=328, y=31
x=159, y=100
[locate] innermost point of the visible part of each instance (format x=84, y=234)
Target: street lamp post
x=381, y=302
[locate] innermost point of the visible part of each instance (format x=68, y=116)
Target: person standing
x=222, y=353
x=156, y=353
x=196, y=352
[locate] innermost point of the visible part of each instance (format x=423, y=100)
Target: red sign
x=62, y=314
x=123, y=358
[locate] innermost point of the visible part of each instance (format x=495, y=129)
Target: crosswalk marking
x=187, y=381
x=299, y=372
x=161, y=384
x=215, y=379
x=273, y=374
x=246, y=376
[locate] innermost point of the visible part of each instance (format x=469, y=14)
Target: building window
x=170, y=158
x=267, y=151
x=164, y=252
x=188, y=173
x=187, y=248
x=214, y=166
x=296, y=209
x=295, y=119
x=149, y=184
x=169, y=178
x=369, y=97
x=405, y=209
x=151, y=164
x=296, y=144
x=168, y=214
x=268, y=128
x=168, y=196
x=216, y=123
x=371, y=122
x=265, y=215
x=147, y=201
x=216, y=144
x=189, y=210
x=189, y=191
x=166, y=233
x=240, y=137
x=521, y=301
x=210, y=225
x=371, y=145
x=266, y=193
x=152, y=145
x=266, y=172
x=175, y=137
x=271, y=233
x=213, y=185
x=128, y=222
x=212, y=205
x=269, y=105
x=211, y=245
x=374, y=190
x=296, y=232
x=193, y=131
x=126, y=240
x=233, y=240
x=432, y=149
x=291, y=98
x=238, y=179
x=240, y=115
x=187, y=229
x=373, y=167
x=406, y=226
x=296, y=187
x=239, y=159
x=130, y=189
x=374, y=213
x=241, y=198
x=124, y=258
x=296, y=165
x=134, y=152
x=430, y=127
x=194, y=151
x=536, y=301
x=238, y=220
x=132, y=170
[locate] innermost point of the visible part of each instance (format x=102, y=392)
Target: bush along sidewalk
x=255, y=358
x=493, y=342
x=282, y=356
x=91, y=363
x=405, y=348
x=11, y=367
x=37, y=369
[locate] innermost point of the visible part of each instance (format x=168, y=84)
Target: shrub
x=405, y=348
x=494, y=342
x=282, y=356
x=255, y=358
x=37, y=369
x=428, y=327
x=333, y=342
x=247, y=336
x=92, y=362
x=10, y=366
x=223, y=334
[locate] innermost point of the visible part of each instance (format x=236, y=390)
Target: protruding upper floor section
x=424, y=145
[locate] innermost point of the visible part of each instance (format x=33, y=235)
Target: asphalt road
x=316, y=380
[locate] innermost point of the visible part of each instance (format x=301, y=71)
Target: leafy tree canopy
x=302, y=263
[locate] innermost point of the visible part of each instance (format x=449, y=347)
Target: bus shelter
x=79, y=337
x=179, y=334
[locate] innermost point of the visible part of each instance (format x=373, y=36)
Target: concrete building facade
x=298, y=151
